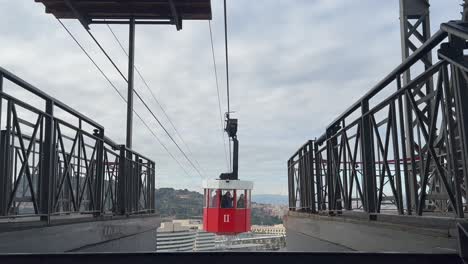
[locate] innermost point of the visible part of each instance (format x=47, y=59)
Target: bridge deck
x=354, y=231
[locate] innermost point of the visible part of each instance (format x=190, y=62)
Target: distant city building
x=173, y=237
x=205, y=241
x=271, y=230
x=184, y=236
x=273, y=210
x=188, y=236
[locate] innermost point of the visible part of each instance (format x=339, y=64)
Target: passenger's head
x=228, y=194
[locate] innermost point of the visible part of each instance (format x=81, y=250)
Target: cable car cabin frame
x=221, y=216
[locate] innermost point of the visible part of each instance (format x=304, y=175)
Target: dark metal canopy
x=121, y=11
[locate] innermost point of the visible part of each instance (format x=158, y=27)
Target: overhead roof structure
x=120, y=11
x=131, y=12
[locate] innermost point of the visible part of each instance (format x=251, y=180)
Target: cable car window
x=206, y=197
x=214, y=198
x=241, y=199
x=247, y=198
x=227, y=199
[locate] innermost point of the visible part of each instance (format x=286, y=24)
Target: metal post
x=46, y=179
x=318, y=177
x=465, y=10
x=235, y=158
x=302, y=182
x=122, y=182
x=150, y=186
x=311, y=173
x=368, y=159
x=131, y=65
x=417, y=11
x=460, y=86
x=4, y=193
x=153, y=190
x=291, y=185
x=329, y=173
x=3, y=177
x=451, y=130
x=137, y=180
x=99, y=188
x=1, y=99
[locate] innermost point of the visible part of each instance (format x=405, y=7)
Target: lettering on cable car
x=226, y=218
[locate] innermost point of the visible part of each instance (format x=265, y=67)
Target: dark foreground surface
x=234, y=258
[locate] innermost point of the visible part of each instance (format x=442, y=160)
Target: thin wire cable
x=223, y=136
x=146, y=105
x=227, y=74
x=121, y=96
x=155, y=99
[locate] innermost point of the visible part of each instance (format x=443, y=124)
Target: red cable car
x=227, y=206
x=227, y=199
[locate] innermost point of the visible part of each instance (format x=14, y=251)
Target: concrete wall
x=136, y=234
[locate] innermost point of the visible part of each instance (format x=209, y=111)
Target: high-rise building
x=205, y=241
x=173, y=237
x=184, y=236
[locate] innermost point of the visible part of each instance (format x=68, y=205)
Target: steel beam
x=137, y=22
x=463, y=240
x=3, y=175
x=1, y=99
x=122, y=182
x=460, y=87
x=99, y=180
x=131, y=70
x=465, y=10
x=176, y=16
x=4, y=193
x=312, y=177
x=48, y=165
x=318, y=176
x=368, y=159
x=414, y=22
x=330, y=174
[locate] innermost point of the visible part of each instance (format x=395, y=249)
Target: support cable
x=154, y=98
x=223, y=136
x=145, y=104
x=121, y=96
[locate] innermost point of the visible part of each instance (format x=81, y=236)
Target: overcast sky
x=294, y=66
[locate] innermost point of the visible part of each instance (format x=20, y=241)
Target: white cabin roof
x=228, y=184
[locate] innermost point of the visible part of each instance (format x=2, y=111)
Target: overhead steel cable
x=146, y=105
x=227, y=74
x=227, y=56
x=223, y=136
x=155, y=99
x=121, y=96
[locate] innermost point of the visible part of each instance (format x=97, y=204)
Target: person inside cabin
x=215, y=200
x=241, y=201
x=226, y=200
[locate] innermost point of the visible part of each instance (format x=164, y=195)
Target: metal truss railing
x=54, y=160
x=405, y=153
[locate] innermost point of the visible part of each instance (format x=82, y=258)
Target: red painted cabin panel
x=235, y=217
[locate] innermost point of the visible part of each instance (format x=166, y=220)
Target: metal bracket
x=175, y=14
x=82, y=18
